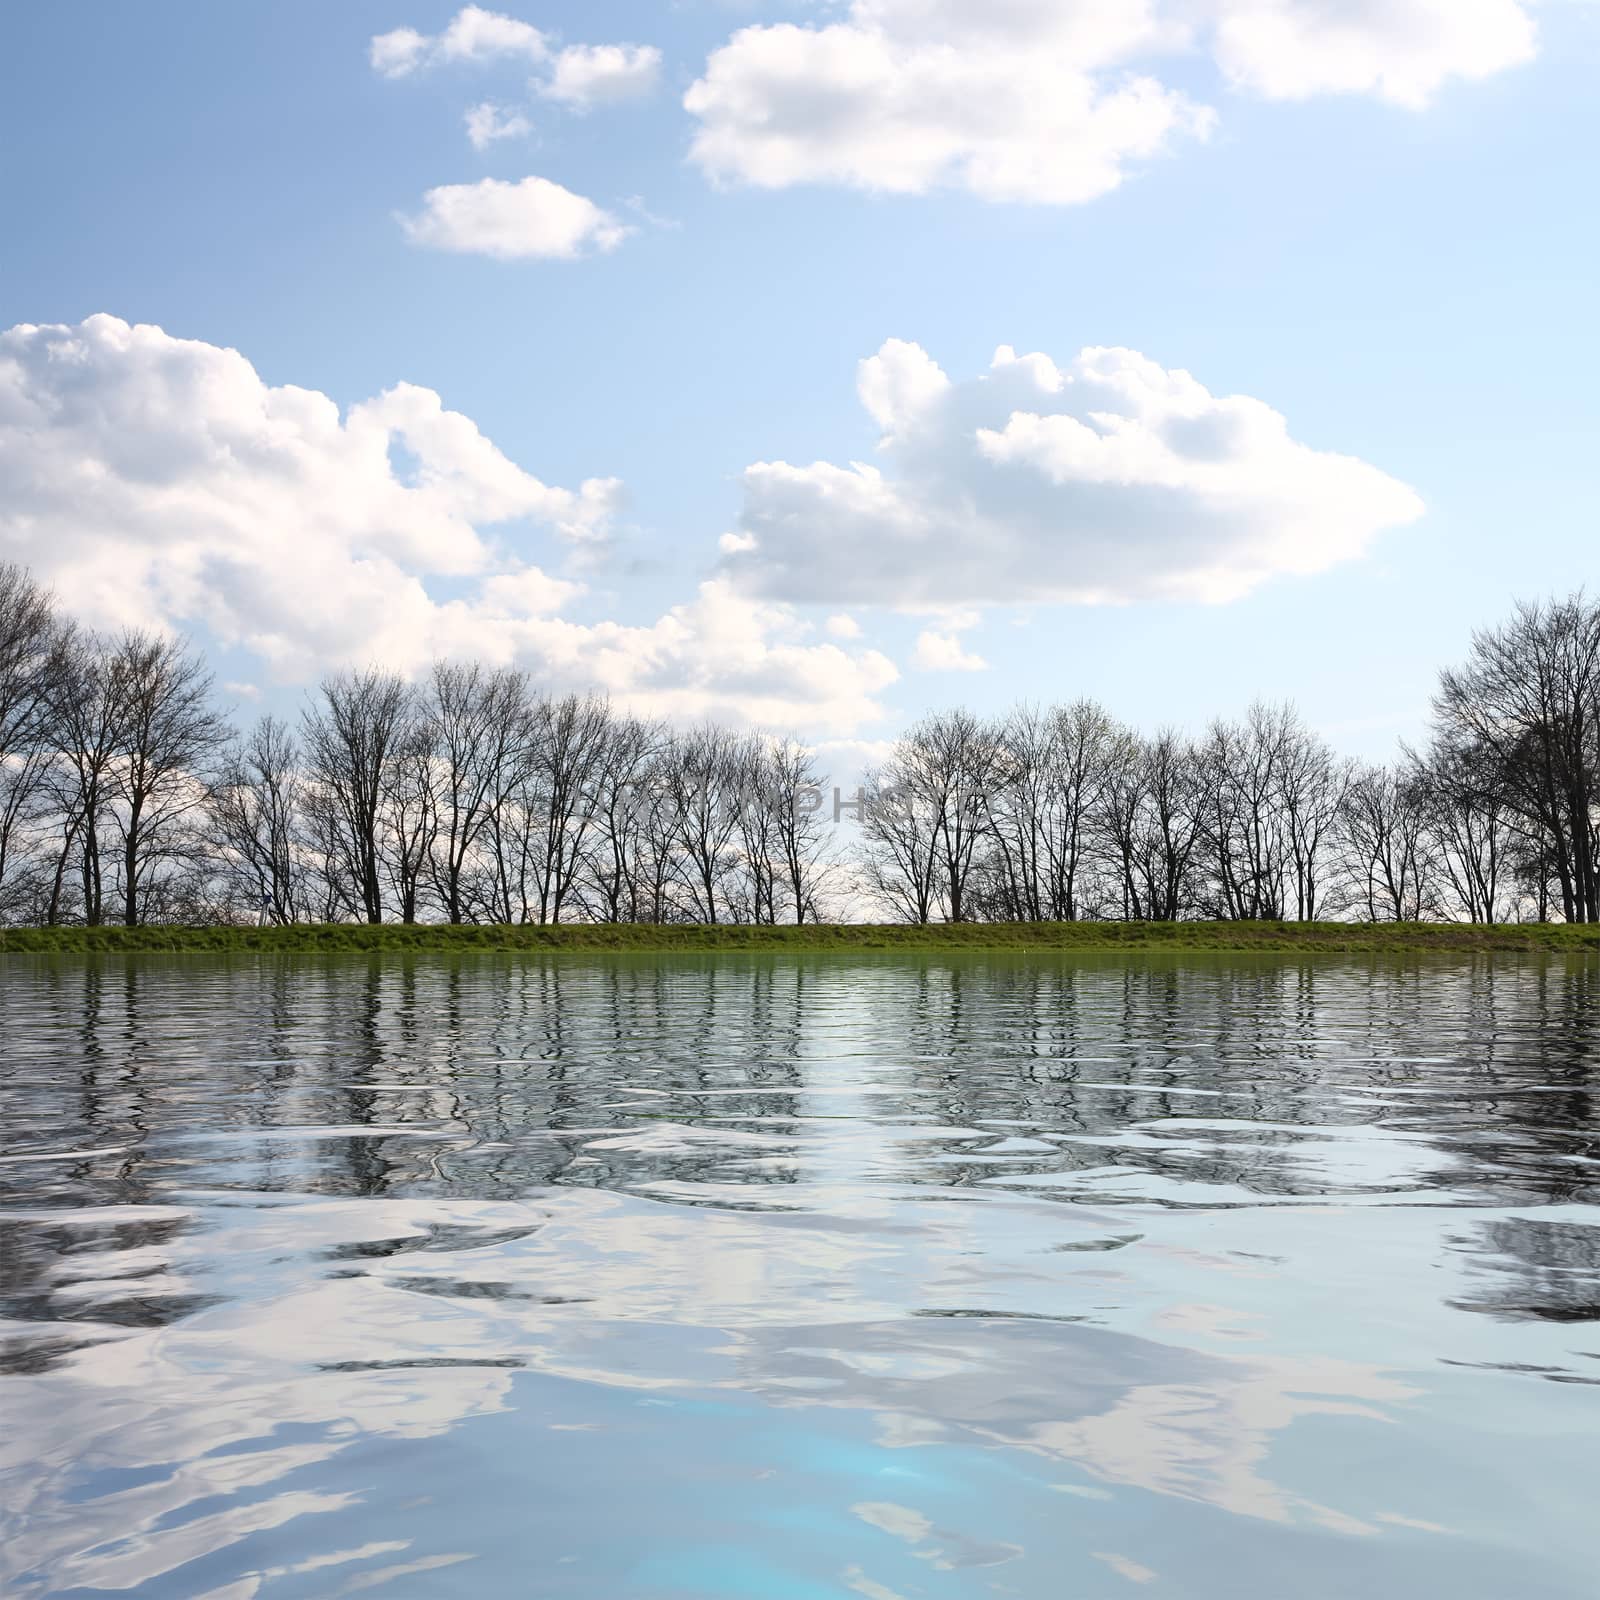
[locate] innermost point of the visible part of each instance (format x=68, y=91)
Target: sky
x=808, y=365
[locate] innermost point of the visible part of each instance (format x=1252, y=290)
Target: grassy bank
x=1219, y=936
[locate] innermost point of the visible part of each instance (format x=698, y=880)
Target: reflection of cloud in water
x=1237, y=1236
x=403, y=1318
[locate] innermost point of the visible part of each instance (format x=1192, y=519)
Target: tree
x=702, y=774
x=86, y=735
x=1244, y=830
x=794, y=787
x=1152, y=814
x=354, y=742
x=256, y=823
x=1471, y=827
x=929, y=812
x=1528, y=702
x=617, y=885
x=1388, y=850
x=169, y=736
x=32, y=644
x=481, y=736
x=569, y=750
x=409, y=818
x=1312, y=782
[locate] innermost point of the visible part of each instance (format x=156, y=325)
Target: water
x=642, y=1279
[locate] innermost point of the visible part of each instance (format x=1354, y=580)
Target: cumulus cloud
x=1008, y=100
x=1402, y=51
x=579, y=76
x=943, y=652
x=535, y=219
x=158, y=481
x=1109, y=479
x=473, y=35
x=488, y=123
x=586, y=75
x=1053, y=101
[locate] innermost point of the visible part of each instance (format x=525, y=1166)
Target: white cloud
x=585, y=75
x=1402, y=51
x=844, y=626
x=1110, y=479
x=1005, y=100
x=488, y=123
x=942, y=652
x=733, y=543
x=1053, y=101
x=154, y=481
x=579, y=76
x=474, y=35
x=901, y=380
x=531, y=220
x=394, y=55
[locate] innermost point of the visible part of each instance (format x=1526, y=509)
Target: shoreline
x=1017, y=938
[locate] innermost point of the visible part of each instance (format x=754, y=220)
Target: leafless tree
x=794, y=787
x=1152, y=815
x=616, y=886
x=1244, y=828
x=1388, y=850
x=1055, y=767
x=703, y=777
x=481, y=736
x=1529, y=699
x=32, y=644
x=752, y=884
x=354, y=742
x=256, y=824
x=409, y=816
x=87, y=735
x=1474, y=832
x=1312, y=782
x=170, y=735
x=570, y=736
x=928, y=813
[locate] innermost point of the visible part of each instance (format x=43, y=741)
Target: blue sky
x=1408, y=284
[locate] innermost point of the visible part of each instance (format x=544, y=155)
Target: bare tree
x=354, y=742
x=1312, y=782
x=409, y=816
x=1244, y=826
x=1529, y=699
x=1152, y=815
x=899, y=853
x=1049, y=793
x=31, y=659
x=256, y=823
x=169, y=737
x=929, y=813
x=1473, y=830
x=794, y=787
x=569, y=751
x=753, y=885
x=703, y=779
x=87, y=735
x=1388, y=850
x=480, y=732
x=616, y=885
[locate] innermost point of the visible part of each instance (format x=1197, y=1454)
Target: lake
x=806, y=1278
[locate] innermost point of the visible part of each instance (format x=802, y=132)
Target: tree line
x=473, y=796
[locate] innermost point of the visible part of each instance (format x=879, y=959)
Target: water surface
x=643, y=1279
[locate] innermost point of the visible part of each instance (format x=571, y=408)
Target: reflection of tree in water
x=1527, y=1268
x=1202, y=1079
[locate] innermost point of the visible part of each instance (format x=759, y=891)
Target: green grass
x=1088, y=936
